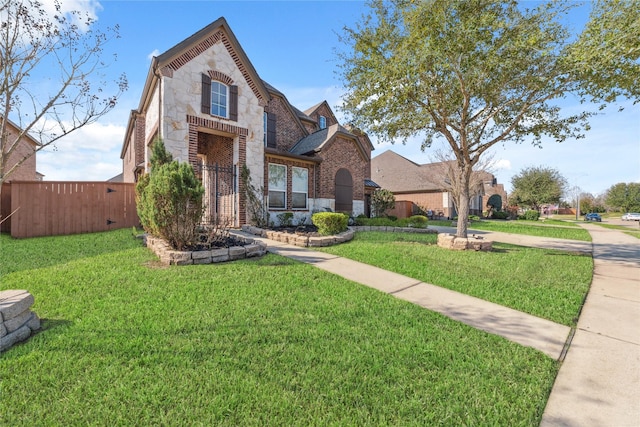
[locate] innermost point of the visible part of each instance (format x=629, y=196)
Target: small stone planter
x=170, y=256
x=17, y=321
x=451, y=241
x=301, y=240
x=319, y=241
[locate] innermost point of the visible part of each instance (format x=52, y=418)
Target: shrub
x=285, y=219
x=382, y=200
x=531, y=215
x=375, y=221
x=170, y=203
x=419, y=221
x=499, y=215
x=329, y=223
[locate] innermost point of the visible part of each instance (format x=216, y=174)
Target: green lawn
x=269, y=341
x=627, y=230
x=537, y=228
x=546, y=283
x=547, y=228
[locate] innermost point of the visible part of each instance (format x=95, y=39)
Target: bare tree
x=52, y=79
x=482, y=172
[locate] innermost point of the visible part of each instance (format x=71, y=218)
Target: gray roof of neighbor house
x=399, y=174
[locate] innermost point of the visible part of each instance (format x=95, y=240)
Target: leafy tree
x=381, y=201
x=607, y=52
x=65, y=52
x=624, y=196
x=535, y=186
x=473, y=73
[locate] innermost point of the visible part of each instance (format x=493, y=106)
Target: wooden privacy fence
x=50, y=208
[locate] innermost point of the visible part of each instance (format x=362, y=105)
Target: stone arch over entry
x=344, y=191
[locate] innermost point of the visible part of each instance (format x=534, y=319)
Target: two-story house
x=208, y=104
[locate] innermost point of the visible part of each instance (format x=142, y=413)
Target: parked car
x=592, y=217
x=631, y=216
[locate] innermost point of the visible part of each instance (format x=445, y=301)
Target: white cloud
x=155, y=52
x=76, y=11
x=502, y=164
x=92, y=153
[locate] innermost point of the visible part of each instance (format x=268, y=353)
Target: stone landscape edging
x=169, y=256
x=320, y=241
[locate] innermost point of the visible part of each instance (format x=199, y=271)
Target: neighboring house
x=208, y=104
x=26, y=148
x=424, y=185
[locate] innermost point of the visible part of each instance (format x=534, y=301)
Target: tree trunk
x=463, y=216
x=463, y=202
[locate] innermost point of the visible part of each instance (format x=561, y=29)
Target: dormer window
x=219, y=99
x=322, y=121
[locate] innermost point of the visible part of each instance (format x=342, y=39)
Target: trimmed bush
x=531, y=215
x=329, y=223
x=419, y=221
x=499, y=215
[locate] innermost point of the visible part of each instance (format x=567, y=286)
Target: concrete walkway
x=525, y=329
x=599, y=380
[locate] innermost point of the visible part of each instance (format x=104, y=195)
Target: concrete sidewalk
x=599, y=381
x=525, y=329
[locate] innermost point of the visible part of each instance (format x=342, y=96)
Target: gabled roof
x=17, y=130
x=399, y=174
x=317, y=140
x=189, y=48
x=310, y=111
x=299, y=115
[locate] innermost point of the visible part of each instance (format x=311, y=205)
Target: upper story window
x=219, y=99
x=322, y=121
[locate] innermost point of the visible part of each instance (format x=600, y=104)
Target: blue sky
x=292, y=46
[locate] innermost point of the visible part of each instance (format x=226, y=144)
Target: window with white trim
x=299, y=187
x=322, y=121
x=219, y=99
x=277, y=186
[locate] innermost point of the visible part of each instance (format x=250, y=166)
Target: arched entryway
x=344, y=191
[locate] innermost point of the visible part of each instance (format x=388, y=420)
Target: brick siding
x=288, y=131
x=27, y=170
x=342, y=153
